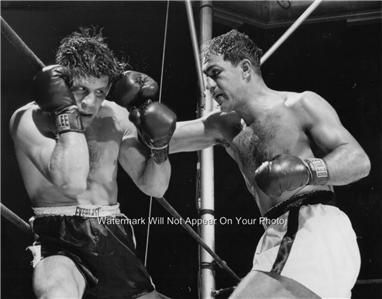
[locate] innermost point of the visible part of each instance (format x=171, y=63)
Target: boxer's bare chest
x=103, y=137
x=103, y=140
x=262, y=140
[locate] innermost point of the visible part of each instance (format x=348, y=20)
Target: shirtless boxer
x=68, y=144
x=291, y=149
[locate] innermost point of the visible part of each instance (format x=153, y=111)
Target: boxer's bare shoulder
x=224, y=126
x=29, y=118
x=309, y=107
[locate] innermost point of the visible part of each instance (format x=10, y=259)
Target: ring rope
x=160, y=100
x=15, y=219
x=148, y=231
x=164, y=51
x=16, y=41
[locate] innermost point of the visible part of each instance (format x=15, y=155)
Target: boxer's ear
x=246, y=68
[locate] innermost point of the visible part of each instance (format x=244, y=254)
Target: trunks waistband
x=87, y=211
x=311, y=198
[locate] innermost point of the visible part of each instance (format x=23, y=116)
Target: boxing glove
x=286, y=173
x=133, y=89
x=154, y=121
x=156, y=125
x=52, y=93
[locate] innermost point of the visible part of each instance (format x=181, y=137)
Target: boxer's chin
x=225, y=107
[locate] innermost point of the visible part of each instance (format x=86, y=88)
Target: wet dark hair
x=234, y=46
x=85, y=53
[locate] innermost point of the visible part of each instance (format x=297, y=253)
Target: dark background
x=338, y=60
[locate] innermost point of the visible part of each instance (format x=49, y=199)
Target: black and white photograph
x=191, y=149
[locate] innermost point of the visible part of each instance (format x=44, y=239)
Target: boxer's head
x=230, y=62
x=85, y=54
x=91, y=67
x=234, y=47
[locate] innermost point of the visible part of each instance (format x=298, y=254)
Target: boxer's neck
x=259, y=99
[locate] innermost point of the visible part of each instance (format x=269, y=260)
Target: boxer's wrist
x=68, y=120
x=158, y=154
x=318, y=171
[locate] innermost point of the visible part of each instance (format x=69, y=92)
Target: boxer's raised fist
x=52, y=93
x=156, y=124
x=133, y=89
x=51, y=89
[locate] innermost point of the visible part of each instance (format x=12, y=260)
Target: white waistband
x=82, y=210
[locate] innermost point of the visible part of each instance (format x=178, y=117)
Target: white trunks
x=318, y=249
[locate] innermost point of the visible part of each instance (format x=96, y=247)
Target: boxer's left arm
x=345, y=159
x=144, y=148
x=150, y=175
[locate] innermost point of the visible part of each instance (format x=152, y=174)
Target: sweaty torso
x=103, y=136
x=279, y=131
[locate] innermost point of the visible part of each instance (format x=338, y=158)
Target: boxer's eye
x=100, y=93
x=79, y=89
x=214, y=73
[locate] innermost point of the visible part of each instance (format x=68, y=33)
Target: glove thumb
x=135, y=117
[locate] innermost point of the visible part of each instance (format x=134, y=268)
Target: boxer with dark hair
x=291, y=149
x=68, y=144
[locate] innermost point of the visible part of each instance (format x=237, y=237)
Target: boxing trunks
x=100, y=241
x=310, y=240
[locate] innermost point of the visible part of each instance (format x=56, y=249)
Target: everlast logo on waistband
x=83, y=212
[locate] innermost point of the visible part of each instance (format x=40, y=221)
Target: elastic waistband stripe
x=82, y=210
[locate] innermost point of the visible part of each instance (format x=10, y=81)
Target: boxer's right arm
x=191, y=136
x=64, y=161
x=201, y=133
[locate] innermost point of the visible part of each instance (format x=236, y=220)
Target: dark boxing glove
x=156, y=125
x=287, y=172
x=52, y=93
x=154, y=121
x=133, y=89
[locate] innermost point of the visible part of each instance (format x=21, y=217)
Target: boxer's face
x=224, y=81
x=89, y=93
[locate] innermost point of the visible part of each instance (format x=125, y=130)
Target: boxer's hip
x=314, y=244
x=100, y=240
x=87, y=228
x=325, y=197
